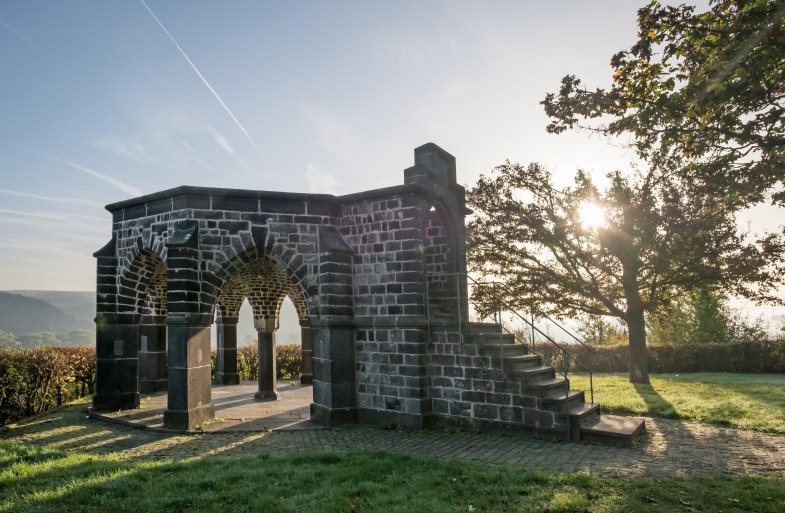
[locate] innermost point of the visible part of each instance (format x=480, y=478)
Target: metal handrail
x=566, y=355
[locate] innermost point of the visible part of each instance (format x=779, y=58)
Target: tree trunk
x=639, y=356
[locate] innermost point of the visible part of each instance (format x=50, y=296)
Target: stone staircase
x=553, y=391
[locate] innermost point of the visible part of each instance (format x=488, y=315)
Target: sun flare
x=591, y=215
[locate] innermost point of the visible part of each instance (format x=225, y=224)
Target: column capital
x=265, y=324
x=188, y=319
x=117, y=318
x=227, y=320
x=152, y=319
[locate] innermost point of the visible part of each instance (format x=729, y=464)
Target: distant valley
x=31, y=311
x=25, y=312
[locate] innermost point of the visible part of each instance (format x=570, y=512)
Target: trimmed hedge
x=763, y=356
x=34, y=380
x=288, y=362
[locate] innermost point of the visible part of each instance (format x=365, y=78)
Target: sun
x=591, y=215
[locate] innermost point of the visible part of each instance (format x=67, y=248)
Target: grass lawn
x=34, y=479
x=746, y=401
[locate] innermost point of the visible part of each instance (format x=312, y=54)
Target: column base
x=267, y=395
x=228, y=378
x=306, y=379
x=114, y=402
x=332, y=416
x=153, y=386
x=188, y=419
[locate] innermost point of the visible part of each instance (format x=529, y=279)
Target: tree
x=702, y=94
x=658, y=239
x=596, y=330
x=703, y=317
x=81, y=337
x=39, y=338
x=7, y=340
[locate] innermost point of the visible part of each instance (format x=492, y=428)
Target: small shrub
x=33, y=380
x=288, y=360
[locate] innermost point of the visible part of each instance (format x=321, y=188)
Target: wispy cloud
x=125, y=147
x=220, y=139
x=28, y=245
x=56, y=199
x=192, y=155
x=201, y=77
x=19, y=35
x=320, y=181
x=114, y=182
x=334, y=133
x=62, y=218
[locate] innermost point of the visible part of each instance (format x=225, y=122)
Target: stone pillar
x=152, y=354
x=334, y=396
x=226, y=354
x=267, y=371
x=306, y=341
x=189, y=371
x=116, y=362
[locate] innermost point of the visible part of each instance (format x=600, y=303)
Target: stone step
x=545, y=387
x=521, y=362
x=532, y=374
x=492, y=339
x=504, y=351
x=580, y=414
x=482, y=328
x=557, y=401
x=585, y=411
x=612, y=430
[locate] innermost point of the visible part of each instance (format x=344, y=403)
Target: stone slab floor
x=235, y=410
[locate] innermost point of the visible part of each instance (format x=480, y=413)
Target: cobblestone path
x=669, y=448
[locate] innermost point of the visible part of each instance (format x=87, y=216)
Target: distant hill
x=22, y=314
x=79, y=304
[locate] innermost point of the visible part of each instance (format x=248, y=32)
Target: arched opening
x=259, y=291
x=143, y=292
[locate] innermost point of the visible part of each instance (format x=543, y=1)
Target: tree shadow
x=656, y=405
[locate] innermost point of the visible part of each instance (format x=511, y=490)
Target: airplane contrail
x=201, y=77
x=73, y=201
x=128, y=189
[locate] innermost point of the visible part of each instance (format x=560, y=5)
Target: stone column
x=226, y=354
x=152, y=354
x=334, y=396
x=306, y=341
x=189, y=401
x=267, y=371
x=116, y=362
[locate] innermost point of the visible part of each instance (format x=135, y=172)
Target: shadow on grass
x=656, y=405
x=359, y=482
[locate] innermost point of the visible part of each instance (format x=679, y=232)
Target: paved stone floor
x=669, y=448
x=235, y=410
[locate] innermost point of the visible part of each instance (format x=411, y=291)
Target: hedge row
x=33, y=380
x=764, y=356
x=288, y=362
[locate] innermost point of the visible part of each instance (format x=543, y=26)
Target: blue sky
x=99, y=105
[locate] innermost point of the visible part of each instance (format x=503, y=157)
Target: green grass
x=34, y=479
x=746, y=401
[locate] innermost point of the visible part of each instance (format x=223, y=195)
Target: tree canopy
x=699, y=93
x=657, y=240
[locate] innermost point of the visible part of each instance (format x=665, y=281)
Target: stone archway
x=356, y=262
x=265, y=283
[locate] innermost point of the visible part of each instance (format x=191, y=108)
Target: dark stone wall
x=470, y=390
x=386, y=236
x=376, y=277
